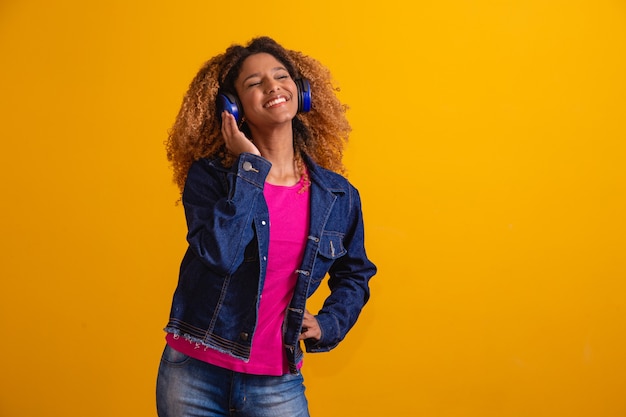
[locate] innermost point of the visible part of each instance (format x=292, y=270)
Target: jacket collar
x=324, y=178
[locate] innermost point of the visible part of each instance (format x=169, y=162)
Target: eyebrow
x=256, y=74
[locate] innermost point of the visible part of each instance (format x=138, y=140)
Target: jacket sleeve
x=219, y=209
x=349, y=284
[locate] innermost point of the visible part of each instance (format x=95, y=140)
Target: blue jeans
x=189, y=387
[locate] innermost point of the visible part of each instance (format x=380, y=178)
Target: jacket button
x=244, y=336
x=247, y=166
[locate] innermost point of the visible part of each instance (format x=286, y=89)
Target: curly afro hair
x=320, y=133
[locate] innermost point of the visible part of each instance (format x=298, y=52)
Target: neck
x=277, y=147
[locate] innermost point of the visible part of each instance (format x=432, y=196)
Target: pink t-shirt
x=289, y=224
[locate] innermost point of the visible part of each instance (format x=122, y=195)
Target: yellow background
x=488, y=146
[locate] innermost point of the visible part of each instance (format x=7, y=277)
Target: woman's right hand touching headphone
x=236, y=142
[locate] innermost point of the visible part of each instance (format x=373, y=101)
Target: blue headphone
x=230, y=103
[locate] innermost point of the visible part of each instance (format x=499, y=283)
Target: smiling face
x=266, y=91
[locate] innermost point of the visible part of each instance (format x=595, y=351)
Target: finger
x=306, y=333
x=310, y=327
x=227, y=124
x=231, y=133
x=308, y=320
x=312, y=333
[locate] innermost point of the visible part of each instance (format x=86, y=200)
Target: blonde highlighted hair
x=320, y=133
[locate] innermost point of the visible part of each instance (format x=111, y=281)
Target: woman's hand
x=236, y=141
x=310, y=327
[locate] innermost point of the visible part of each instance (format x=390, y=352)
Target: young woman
x=256, y=150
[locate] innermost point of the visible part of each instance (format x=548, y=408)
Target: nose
x=272, y=86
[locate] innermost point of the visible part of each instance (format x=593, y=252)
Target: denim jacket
x=223, y=270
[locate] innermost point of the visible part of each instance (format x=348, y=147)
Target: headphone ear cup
x=230, y=103
x=304, y=95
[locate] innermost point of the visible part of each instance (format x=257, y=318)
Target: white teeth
x=275, y=102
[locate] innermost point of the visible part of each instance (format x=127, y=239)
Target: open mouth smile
x=275, y=102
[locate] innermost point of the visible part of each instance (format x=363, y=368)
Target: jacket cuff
x=330, y=335
x=253, y=168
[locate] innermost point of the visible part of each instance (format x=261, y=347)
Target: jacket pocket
x=331, y=245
